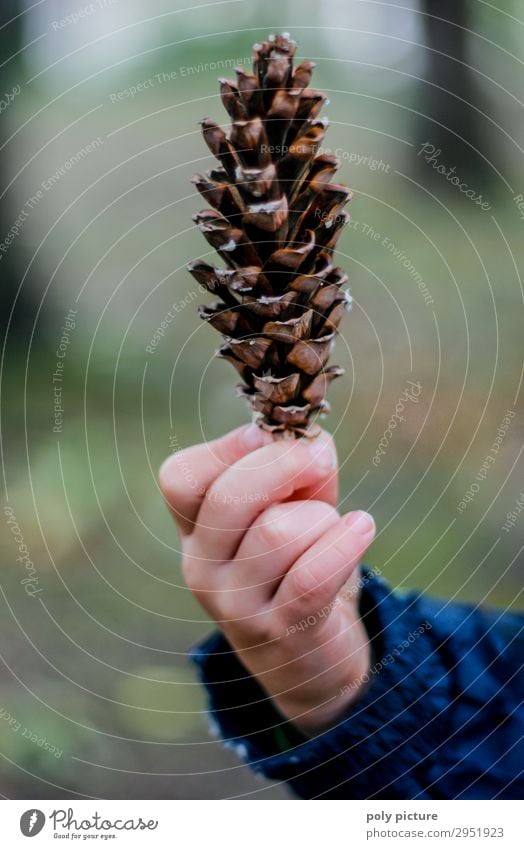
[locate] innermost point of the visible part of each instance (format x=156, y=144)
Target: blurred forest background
x=99, y=139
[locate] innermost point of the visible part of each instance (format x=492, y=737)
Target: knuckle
x=256, y=629
x=218, y=498
x=279, y=623
x=281, y=524
x=343, y=549
x=232, y=601
x=274, y=526
x=305, y=589
x=320, y=511
x=192, y=575
x=347, y=548
x=176, y=478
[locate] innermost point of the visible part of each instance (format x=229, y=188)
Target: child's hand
x=270, y=559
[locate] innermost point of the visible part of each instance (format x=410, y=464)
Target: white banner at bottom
x=237, y=824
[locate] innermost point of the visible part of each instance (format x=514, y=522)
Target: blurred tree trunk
x=445, y=24
x=11, y=261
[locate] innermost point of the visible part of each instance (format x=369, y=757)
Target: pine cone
x=275, y=222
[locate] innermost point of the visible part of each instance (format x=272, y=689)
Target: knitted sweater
x=442, y=717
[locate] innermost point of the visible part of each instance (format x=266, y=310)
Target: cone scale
x=274, y=221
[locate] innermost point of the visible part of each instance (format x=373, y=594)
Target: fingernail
x=254, y=437
x=323, y=452
x=361, y=523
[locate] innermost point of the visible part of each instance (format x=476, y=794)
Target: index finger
x=274, y=473
x=186, y=476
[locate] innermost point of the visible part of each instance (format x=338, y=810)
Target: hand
x=268, y=556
